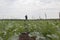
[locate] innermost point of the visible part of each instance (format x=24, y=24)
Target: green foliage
x=50, y=29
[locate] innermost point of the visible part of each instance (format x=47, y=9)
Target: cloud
x=18, y=8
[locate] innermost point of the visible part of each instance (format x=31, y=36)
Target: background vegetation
x=43, y=29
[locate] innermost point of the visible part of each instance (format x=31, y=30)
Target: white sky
x=17, y=9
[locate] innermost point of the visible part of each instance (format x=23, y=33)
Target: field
x=42, y=29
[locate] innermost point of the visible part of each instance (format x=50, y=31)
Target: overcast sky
x=17, y=9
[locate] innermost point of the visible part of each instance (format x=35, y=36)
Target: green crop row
x=45, y=29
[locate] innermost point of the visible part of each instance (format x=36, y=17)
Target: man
x=26, y=17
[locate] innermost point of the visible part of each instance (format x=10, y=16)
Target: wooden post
x=45, y=16
x=59, y=15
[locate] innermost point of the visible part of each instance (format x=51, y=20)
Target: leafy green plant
x=48, y=29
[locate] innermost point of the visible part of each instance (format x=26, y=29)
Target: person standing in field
x=26, y=17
